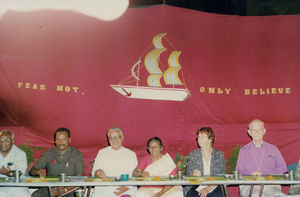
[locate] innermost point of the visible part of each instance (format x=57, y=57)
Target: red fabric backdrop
x=82, y=55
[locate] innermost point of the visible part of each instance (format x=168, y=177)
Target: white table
x=84, y=184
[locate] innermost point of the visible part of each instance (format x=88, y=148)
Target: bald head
x=256, y=122
x=256, y=130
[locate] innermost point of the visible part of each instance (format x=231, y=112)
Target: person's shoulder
x=268, y=144
x=272, y=146
x=50, y=150
x=246, y=147
x=195, y=153
x=18, y=150
x=218, y=152
x=105, y=149
x=75, y=150
x=128, y=150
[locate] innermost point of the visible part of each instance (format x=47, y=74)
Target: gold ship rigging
x=154, y=90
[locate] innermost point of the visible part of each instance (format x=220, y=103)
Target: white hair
x=6, y=131
x=114, y=129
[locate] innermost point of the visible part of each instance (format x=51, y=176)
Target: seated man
x=114, y=160
x=295, y=189
x=60, y=159
x=260, y=158
x=11, y=158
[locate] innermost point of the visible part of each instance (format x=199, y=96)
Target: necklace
x=258, y=165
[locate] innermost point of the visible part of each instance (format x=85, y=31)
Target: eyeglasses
x=257, y=130
x=115, y=137
x=153, y=147
x=6, y=140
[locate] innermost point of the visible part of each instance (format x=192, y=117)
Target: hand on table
x=121, y=190
x=204, y=191
x=4, y=170
x=42, y=173
x=100, y=173
x=256, y=173
x=196, y=172
x=146, y=174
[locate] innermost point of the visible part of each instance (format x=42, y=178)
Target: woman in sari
x=205, y=161
x=157, y=164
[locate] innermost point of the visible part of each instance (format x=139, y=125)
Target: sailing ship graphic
x=154, y=89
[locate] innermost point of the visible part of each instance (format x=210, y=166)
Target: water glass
x=291, y=174
x=236, y=175
x=62, y=177
x=124, y=177
x=179, y=175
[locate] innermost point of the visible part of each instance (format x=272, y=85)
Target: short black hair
x=62, y=129
x=155, y=139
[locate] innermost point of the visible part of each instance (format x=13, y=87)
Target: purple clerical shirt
x=266, y=159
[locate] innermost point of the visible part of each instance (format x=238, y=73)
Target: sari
x=165, y=166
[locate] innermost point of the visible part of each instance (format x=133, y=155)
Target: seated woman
x=157, y=164
x=205, y=161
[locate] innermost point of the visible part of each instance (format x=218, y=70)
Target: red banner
x=56, y=68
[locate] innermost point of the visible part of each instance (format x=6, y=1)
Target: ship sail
x=157, y=40
x=154, y=90
x=171, y=74
x=152, y=59
x=151, y=63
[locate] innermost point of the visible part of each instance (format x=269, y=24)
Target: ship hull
x=152, y=93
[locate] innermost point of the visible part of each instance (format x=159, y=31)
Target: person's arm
x=21, y=161
x=100, y=173
x=192, y=165
x=97, y=171
x=4, y=170
x=39, y=168
x=37, y=172
x=217, y=164
x=140, y=173
x=120, y=190
x=162, y=191
x=280, y=165
x=204, y=192
x=241, y=165
x=222, y=167
x=80, y=164
x=137, y=172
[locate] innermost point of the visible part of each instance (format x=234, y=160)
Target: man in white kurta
x=11, y=158
x=113, y=161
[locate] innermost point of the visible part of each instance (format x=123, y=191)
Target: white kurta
x=17, y=158
x=114, y=163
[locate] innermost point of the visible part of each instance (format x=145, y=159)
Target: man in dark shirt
x=62, y=158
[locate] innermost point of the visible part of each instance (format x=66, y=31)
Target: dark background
x=233, y=7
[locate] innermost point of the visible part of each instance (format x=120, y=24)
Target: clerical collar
x=258, y=146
